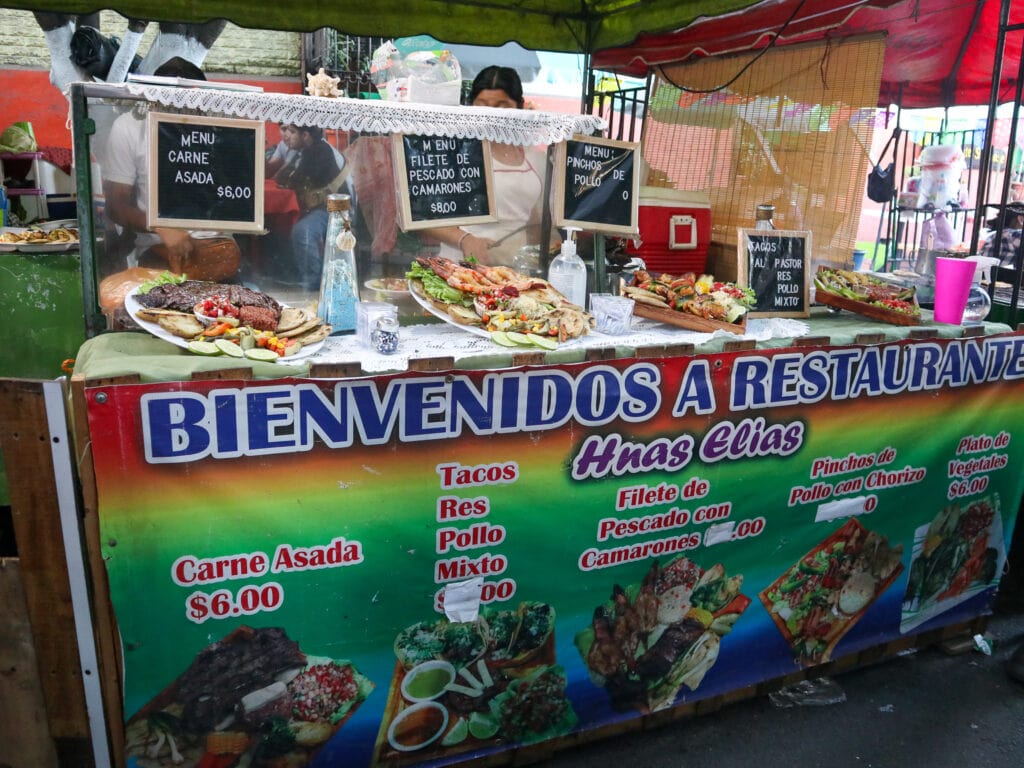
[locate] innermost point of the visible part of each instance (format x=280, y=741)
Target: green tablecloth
x=152, y=359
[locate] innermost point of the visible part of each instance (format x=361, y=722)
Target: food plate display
x=460, y=687
x=251, y=698
x=44, y=238
x=391, y=287
x=486, y=300
x=826, y=592
x=416, y=291
x=687, y=301
x=652, y=639
x=959, y=551
x=866, y=295
x=169, y=320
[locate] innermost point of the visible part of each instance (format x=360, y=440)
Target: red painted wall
x=26, y=94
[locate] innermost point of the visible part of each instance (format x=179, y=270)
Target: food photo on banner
x=428, y=568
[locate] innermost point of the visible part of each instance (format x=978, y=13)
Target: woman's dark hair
x=495, y=78
x=179, y=67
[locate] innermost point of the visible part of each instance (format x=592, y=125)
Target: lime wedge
x=482, y=726
x=260, y=353
x=457, y=734
x=519, y=338
x=546, y=342
x=203, y=348
x=500, y=337
x=229, y=348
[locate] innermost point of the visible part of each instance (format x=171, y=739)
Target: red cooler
x=675, y=230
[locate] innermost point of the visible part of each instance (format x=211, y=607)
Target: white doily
x=509, y=126
x=433, y=340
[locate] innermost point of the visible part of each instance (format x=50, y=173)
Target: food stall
x=463, y=551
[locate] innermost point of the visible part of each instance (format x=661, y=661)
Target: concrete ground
x=925, y=708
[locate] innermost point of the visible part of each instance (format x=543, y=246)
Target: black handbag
x=882, y=181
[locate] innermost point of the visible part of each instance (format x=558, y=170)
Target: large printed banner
x=424, y=568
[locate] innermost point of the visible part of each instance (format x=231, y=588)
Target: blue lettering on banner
x=287, y=418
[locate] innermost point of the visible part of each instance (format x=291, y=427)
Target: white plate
x=132, y=306
x=46, y=226
x=377, y=285
x=477, y=330
x=47, y=247
x=35, y=247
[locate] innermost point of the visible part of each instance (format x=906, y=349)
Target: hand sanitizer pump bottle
x=568, y=273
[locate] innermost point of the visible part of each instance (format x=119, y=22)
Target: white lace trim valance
x=523, y=127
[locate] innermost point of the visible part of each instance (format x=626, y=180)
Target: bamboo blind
x=792, y=130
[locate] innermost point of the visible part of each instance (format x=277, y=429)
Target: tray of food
x=509, y=307
x=867, y=295
x=959, y=551
x=688, y=301
x=209, y=318
x=652, y=639
x=250, y=698
x=42, y=238
x=463, y=687
x=824, y=594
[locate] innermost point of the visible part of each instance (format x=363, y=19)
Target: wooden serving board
x=872, y=311
x=386, y=755
x=686, y=320
x=839, y=628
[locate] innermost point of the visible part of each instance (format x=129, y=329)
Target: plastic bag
x=941, y=169
x=819, y=692
x=92, y=51
x=18, y=137
x=416, y=69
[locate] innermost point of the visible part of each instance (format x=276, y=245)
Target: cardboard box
x=675, y=230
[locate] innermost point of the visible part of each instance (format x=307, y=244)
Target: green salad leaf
x=163, y=277
x=437, y=288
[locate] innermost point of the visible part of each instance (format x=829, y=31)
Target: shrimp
x=508, y=276
x=458, y=276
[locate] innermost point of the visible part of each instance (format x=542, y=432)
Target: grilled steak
x=222, y=673
x=184, y=296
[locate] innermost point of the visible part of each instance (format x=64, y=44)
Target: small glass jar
x=764, y=218
x=385, y=335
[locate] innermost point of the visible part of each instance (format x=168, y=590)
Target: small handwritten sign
x=443, y=180
x=597, y=182
x=205, y=173
x=776, y=265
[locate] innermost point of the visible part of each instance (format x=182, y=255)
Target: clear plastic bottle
x=978, y=305
x=978, y=302
x=339, y=284
x=567, y=273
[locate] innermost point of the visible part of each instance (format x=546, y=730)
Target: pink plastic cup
x=953, y=278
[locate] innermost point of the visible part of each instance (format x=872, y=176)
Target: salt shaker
x=385, y=335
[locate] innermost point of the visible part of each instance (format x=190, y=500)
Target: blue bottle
x=339, y=284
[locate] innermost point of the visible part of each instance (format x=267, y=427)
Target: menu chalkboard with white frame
x=442, y=181
x=776, y=265
x=597, y=183
x=205, y=173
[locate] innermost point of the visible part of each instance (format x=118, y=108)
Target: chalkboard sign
x=776, y=265
x=597, y=182
x=443, y=181
x=205, y=173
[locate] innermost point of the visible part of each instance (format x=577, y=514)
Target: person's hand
x=179, y=247
x=476, y=247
